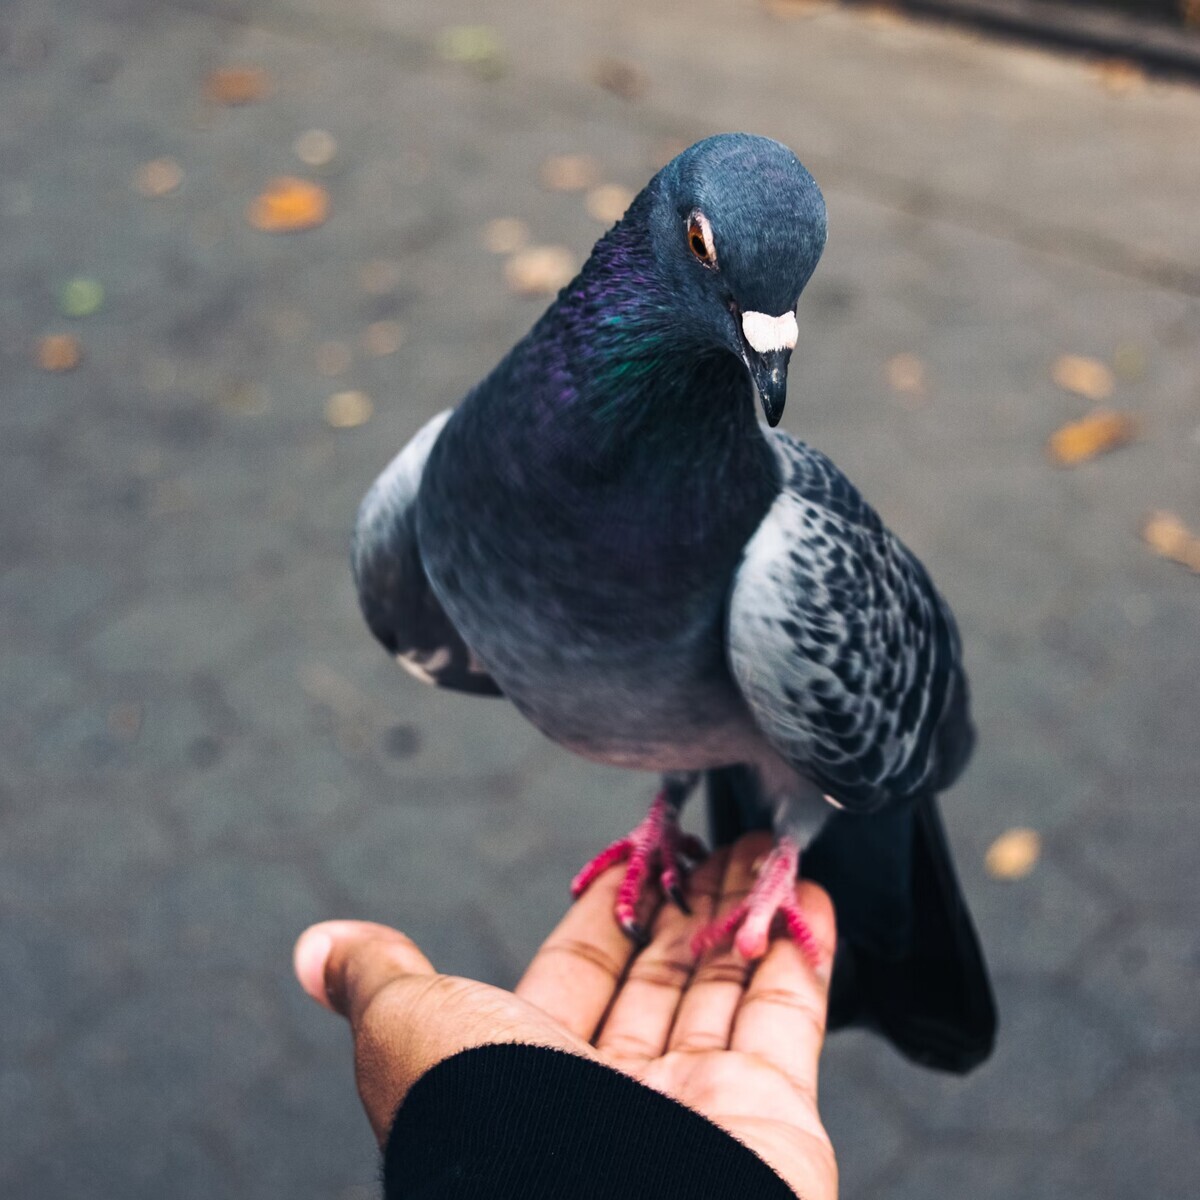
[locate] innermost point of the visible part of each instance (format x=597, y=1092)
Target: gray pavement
x=201, y=750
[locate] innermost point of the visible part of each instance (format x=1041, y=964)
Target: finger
x=638, y=1025
x=577, y=971
x=782, y=1016
x=343, y=964
x=705, y=1017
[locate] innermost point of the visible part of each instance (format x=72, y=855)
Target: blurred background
x=247, y=247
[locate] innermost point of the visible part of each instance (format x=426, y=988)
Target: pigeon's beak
x=770, y=377
x=767, y=344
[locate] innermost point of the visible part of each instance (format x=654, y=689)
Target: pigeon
x=605, y=534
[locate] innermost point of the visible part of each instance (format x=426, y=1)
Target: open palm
x=738, y=1044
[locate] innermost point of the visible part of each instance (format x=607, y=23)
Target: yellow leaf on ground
x=1120, y=75
x=81, y=297
x=1168, y=536
x=1097, y=433
x=237, y=85
x=383, y=337
x=797, y=8
x=475, y=46
x=289, y=205
x=1014, y=854
x=906, y=373
x=539, y=270
x=1087, y=377
x=59, y=352
x=347, y=410
x=608, y=202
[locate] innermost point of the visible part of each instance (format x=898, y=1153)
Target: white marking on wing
x=436, y=660
x=425, y=665
x=415, y=669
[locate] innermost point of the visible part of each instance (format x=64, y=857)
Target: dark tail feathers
x=908, y=963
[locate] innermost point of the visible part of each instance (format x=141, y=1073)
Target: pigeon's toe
x=750, y=922
x=656, y=843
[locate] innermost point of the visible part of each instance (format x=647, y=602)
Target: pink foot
x=657, y=841
x=774, y=893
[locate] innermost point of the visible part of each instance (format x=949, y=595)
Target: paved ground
x=201, y=749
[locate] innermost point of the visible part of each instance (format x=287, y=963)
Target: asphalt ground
x=202, y=750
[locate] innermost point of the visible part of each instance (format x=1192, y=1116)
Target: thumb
x=405, y=1017
x=343, y=965
x=384, y=986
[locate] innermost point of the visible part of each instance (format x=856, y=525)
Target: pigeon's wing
x=846, y=655
x=393, y=591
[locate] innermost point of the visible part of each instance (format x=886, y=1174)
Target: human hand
x=734, y=1041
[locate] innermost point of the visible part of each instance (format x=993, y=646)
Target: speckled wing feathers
x=846, y=655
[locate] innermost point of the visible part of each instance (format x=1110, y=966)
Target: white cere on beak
x=765, y=334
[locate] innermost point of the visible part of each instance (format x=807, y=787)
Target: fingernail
x=308, y=961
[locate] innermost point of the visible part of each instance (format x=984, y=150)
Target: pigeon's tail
x=908, y=963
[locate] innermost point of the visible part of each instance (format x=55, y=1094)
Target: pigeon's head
x=737, y=227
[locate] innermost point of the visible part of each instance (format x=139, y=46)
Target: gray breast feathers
x=393, y=591
x=846, y=655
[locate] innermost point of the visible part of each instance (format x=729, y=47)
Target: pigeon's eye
x=700, y=239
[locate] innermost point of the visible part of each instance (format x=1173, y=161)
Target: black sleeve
x=502, y=1122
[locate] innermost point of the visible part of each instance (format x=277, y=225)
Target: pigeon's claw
x=620, y=850
x=750, y=921
x=657, y=842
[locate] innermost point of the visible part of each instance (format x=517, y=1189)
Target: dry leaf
x=906, y=374
x=621, y=78
x=346, y=410
x=315, y=147
x=237, y=85
x=796, y=8
x=1120, y=75
x=505, y=235
x=1098, y=432
x=383, y=337
x=80, y=297
x=1168, y=536
x=1087, y=377
x=159, y=177
x=59, y=352
x=608, y=202
x=569, y=172
x=476, y=46
x=539, y=270
x=289, y=205
x=1014, y=854
x=884, y=13
x=1190, y=10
